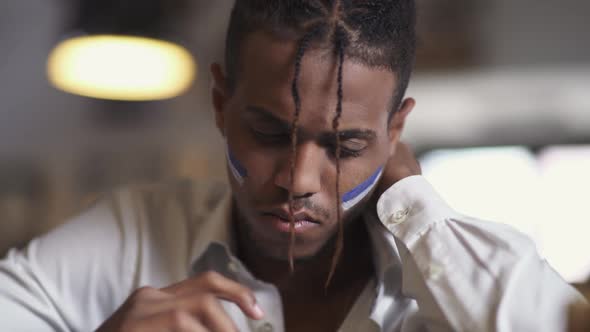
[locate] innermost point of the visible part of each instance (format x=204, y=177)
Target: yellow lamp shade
x=121, y=67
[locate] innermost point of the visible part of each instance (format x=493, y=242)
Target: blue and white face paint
x=236, y=169
x=349, y=199
x=353, y=197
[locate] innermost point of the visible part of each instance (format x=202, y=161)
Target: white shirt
x=436, y=270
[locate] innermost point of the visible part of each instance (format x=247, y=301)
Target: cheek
x=261, y=165
x=250, y=167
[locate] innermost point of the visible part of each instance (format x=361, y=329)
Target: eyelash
x=271, y=138
x=346, y=153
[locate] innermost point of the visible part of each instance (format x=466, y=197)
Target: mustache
x=309, y=205
x=298, y=204
x=305, y=203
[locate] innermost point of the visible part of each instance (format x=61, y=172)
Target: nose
x=307, y=171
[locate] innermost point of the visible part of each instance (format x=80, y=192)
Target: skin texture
x=252, y=119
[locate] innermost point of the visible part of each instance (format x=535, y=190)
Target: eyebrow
x=266, y=115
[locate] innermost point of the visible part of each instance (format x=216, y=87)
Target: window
x=545, y=195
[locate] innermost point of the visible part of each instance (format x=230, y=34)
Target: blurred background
x=502, y=124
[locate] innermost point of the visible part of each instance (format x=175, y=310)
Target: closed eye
x=348, y=149
x=270, y=136
x=354, y=144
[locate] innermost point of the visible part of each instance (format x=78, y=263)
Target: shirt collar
x=217, y=228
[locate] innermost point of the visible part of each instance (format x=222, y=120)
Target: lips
x=278, y=220
x=298, y=217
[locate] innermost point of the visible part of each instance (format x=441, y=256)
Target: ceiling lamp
x=122, y=59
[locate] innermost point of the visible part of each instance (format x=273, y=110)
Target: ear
x=219, y=96
x=398, y=121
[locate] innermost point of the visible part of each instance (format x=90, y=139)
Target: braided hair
x=378, y=34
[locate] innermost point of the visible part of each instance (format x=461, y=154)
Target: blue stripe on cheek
x=238, y=171
x=355, y=195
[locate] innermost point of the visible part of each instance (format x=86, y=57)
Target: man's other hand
x=401, y=164
x=191, y=305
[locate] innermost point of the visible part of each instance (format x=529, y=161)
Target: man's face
x=255, y=120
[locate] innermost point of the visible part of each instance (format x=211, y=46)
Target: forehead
x=266, y=75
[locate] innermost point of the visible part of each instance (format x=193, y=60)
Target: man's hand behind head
x=401, y=164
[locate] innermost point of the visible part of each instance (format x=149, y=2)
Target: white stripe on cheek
x=236, y=169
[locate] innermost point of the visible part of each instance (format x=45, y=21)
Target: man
x=327, y=226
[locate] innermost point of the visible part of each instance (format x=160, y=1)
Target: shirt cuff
x=410, y=206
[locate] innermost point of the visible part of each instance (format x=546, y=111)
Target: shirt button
x=266, y=327
x=398, y=217
x=435, y=271
x=233, y=267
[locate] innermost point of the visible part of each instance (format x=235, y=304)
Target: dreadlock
x=378, y=34
x=302, y=47
x=340, y=38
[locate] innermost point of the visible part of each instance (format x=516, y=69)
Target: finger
x=406, y=154
x=205, y=307
x=222, y=287
x=237, y=293
x=170, y=321
x=147, y=293
x=215, y=317
x=147, y=301
x=203, y=280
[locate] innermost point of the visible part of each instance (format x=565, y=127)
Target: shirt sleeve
x=470, y=275
x=73, y=277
